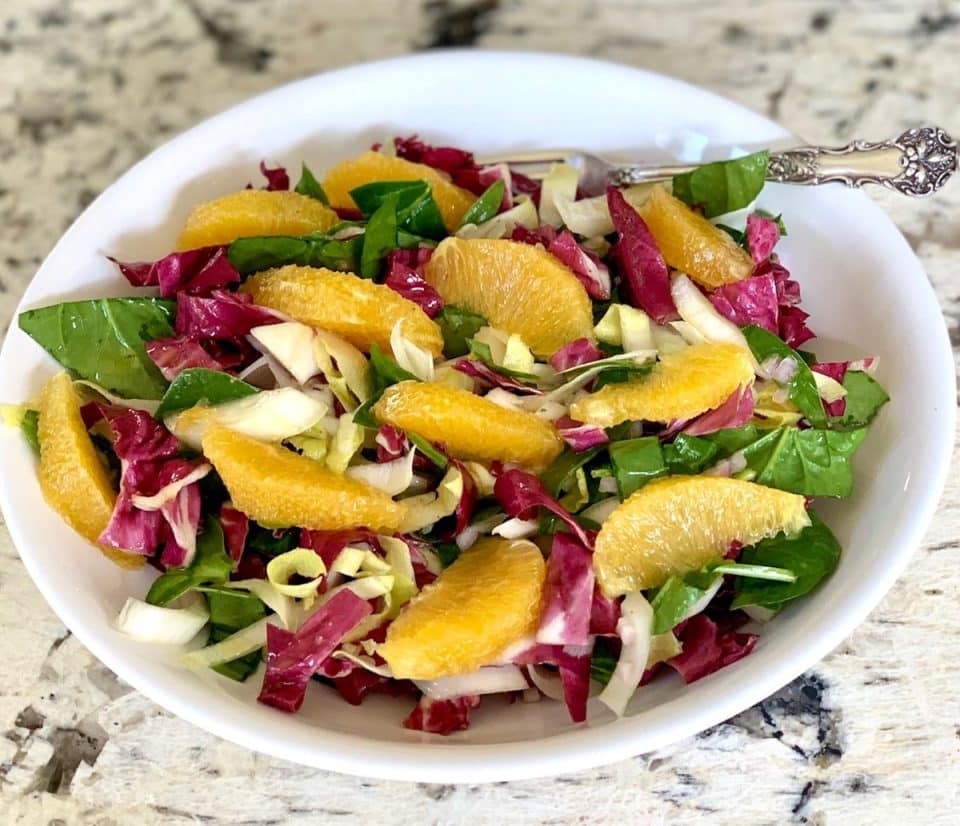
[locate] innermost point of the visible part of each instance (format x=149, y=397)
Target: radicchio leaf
x=707, y=648
x=586, y=265
x=479, y=370
x=194, y=271
x=836, y=370
x=222, y=315
x=580, y=436
x=405, y=276
x=577, y=352
x=762, y=236
x=277, y=178
x=645, y=278
x=391, y=443
x=465, y=507
x=736, y=411
x=520, y=494
x=442, y=716
x=573, y=663
x=236, y=527
x=604, y=615
x=293, y=658
x=567, y=600
x=174, y=355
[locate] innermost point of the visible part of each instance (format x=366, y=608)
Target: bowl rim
x=572, y=750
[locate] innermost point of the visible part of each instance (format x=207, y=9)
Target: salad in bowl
x=437, y=430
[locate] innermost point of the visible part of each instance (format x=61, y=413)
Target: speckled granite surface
x=871, y=735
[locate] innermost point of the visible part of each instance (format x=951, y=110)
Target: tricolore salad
x=439, y=431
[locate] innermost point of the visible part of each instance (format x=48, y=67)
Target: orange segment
x=353, y=308
x=254, y=212
x=691, y=244
x=281, y=489
x=518, y=288
x=373, y=166
x=485, y=601
x=680, y=386
x=73, y=479
x=681, y=523
x=469, y=426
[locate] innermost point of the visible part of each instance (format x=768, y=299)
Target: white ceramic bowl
x=864, y=288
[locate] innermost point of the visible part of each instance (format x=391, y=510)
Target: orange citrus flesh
x=679, y=524
x=691, y=244
x=353, y=308
x=280, y=489
x=518, y=288
x=254, y=212
x=681, y=385
x=73, y=479
x=371, y=167
x=470, y=427
x=484, y=602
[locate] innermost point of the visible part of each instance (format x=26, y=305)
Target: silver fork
x=917, y=163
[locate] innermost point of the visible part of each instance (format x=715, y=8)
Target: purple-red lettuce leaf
x=736, y=411
x=567, y=600
x=762, y=236
x=520, y=494
x=707, y=647
x=405, y=276
x=236, y=527
x=644, y=276
x=577, y=352
x=174, y=355
x=580, y=436
x=196, y=271
x=442, y=716
x=221, y=315
x=584, y=264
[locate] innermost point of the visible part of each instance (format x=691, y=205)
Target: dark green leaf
x=802, y=387
x=210, y=564
x=102, y=340
x=563, y=468
x=812, y=555
x=240, y=668
x=250, y=255
x=481, y=350
x=308, y=185
x=363, y=415
x=486, y=206
x=416, y=210
x=28, y=426
x=752, y=571
x=386, y=370
x=233, y=609
x=865, y=396
x=270, y=542
x=458, y=325
x=635, y=462
x=201, y=386
x=688, y=455
x=428, y=450
x=619, y=373
x=723, y=186
x=809, y=462
x=447, y=551
x=379, y=237
x=603, y=661
x=675, y=598
x=737, y=235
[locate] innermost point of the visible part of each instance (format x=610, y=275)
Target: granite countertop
x=870, y=735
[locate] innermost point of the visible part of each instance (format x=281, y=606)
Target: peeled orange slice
x=254, y=212
x=469, y=426
x=681, y=385
x=691, y=244
x=518, y=288
x=484, y=602
x=73, y=479
x=371, y=166
x=282, y=489
x=353, y=308
x=679, y=524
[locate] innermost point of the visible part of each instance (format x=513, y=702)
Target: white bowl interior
x=865, y=290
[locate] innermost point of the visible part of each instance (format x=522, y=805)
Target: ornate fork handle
x=917, y=163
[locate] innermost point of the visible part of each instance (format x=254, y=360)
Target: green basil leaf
x=28, y=426
x=102, y=340
x=271, y=542
x=447, y=551
x=737, y=235
x=635, y=462
x=233, y=609
x=564, y=467
x=621, y=372
x=486, y=206
x=458, y=326
x=201, y=386
x=688, y=455
x=751, y=571
x=802, y=387
x=379, y=237
x=211, y=563
x=674, y=599
x=812, y=555
x=417, y=211
x=603, y=660
x=723, y=186
x=264, y=252
x=242, y=667
x=865, y=396
x=809, y=462
x=428, y=450
x=385, y=370
x=308, y=185
x=363, y=415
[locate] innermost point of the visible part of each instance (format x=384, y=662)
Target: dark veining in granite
x=458, y=25
x=232, y=49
